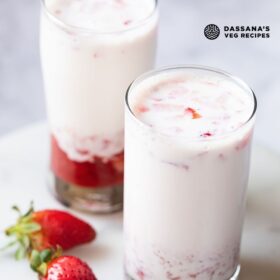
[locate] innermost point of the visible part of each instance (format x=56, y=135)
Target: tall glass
x=86, y=73
x=184, y=199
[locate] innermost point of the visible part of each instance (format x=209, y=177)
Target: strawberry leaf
x=20, y=253
x=22, y=231
x=39, y=261
x=46, y=255
x=43, y=269
x=35, y=260
x=30, y=210
x=25, y=241
x=30, y=228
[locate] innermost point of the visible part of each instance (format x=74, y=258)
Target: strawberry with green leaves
x=48, y=229
x=51, y=267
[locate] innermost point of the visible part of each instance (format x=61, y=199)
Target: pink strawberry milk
x=91, y=51
x=188, y=139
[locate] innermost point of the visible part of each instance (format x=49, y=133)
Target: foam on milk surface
x=194, y=105
x=101, y=15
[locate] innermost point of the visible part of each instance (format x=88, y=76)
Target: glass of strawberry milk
x=91, y=50
x=188, y=141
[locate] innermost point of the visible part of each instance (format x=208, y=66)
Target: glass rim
x=93, y=31
x=152, y=73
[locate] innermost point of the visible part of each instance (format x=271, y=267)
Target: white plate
x=23, y=165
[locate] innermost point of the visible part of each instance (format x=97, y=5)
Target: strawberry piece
x=140, y=274
x=142, y=109
x=206, y=134
x=127, y=22
x=118, y=163
x=98, y=173
x=244, y=142
x=67, y=268
x=193, y=112
x=48, y=229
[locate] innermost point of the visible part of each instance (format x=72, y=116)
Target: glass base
x=235, y=276
x=95, y=200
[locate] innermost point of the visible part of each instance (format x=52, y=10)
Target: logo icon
x=212, y=31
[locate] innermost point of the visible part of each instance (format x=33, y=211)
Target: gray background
x=181, y=40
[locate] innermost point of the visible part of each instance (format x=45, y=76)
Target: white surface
x=23, y=168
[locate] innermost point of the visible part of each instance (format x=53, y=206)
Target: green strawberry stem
x=39, y=260
x=21, y=232
x=23, y=228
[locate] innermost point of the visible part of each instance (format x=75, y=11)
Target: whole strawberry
x=45, y=229
x=50, y=265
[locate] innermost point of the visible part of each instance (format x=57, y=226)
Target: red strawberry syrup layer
x=89, y=174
